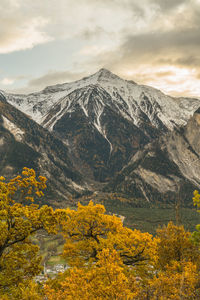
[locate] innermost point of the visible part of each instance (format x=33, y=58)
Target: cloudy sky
x=154, y=42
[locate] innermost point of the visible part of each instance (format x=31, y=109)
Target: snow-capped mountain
x=131, y=100
x=108, y=123
x=24, y=143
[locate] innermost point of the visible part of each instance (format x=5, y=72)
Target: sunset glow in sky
x=153, y=42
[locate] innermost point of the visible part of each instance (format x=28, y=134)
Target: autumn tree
x=174, y=244
x=110, y=261
x=88, y=230
x=106, y=279
x=179, y=281
x=196, y=234
x=19, y=220
x=176, y=266
x=106, y=259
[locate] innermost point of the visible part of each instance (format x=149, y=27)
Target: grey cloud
x=183, y=60
x=54, y=77
x=168, y=4
x=151, y=32
x=138, y=7
x=93, y=33
x=179, y=45
x=166, y=41
x=51, y=78
x=188, y=60
x=176, y=47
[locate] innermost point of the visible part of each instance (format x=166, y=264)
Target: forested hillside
x=105, y=259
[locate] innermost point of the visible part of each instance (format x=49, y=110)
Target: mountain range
x=104, y=133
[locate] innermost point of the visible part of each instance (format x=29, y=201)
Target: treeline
x=106, y=260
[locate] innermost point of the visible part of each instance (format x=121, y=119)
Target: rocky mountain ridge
x=165, y=169
x=23, y=142
x=128, y=136
x=130, y=99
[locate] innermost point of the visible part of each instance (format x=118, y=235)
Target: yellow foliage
x=19, y=260
x=196, y=199
x=28, y=290
x=105, y=257
x=174, y=244
x=196, y=234
x=104, y=280
x=179, y=281
x=89, y=230
x=106, y=260
x=176, y=266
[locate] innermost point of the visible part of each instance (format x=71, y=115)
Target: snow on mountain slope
x=23, y=142
x=106, y=122
x=130, y=99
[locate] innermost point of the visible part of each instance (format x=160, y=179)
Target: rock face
x=25, y=143
x=99, y=136
x=2, y=97
x=128, y=136
x=104, y=120
x=165, y=169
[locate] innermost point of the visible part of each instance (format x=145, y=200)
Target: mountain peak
x=104, y=71
x=106, y=74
